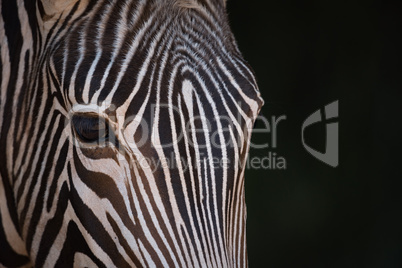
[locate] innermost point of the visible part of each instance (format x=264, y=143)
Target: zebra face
x=148, y=109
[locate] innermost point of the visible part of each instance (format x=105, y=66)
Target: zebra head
x=137, y=120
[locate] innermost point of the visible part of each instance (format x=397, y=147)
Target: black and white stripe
x=166, y=84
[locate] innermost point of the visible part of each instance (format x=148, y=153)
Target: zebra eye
x=90, y=128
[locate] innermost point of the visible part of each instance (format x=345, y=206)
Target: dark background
x=307, y=54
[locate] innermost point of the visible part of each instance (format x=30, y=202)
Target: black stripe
x=8, y=257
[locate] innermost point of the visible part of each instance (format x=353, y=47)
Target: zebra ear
x=53, y=9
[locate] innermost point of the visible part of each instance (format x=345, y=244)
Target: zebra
x=96, y=97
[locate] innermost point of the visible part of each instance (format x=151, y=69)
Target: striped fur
x=170, y=83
